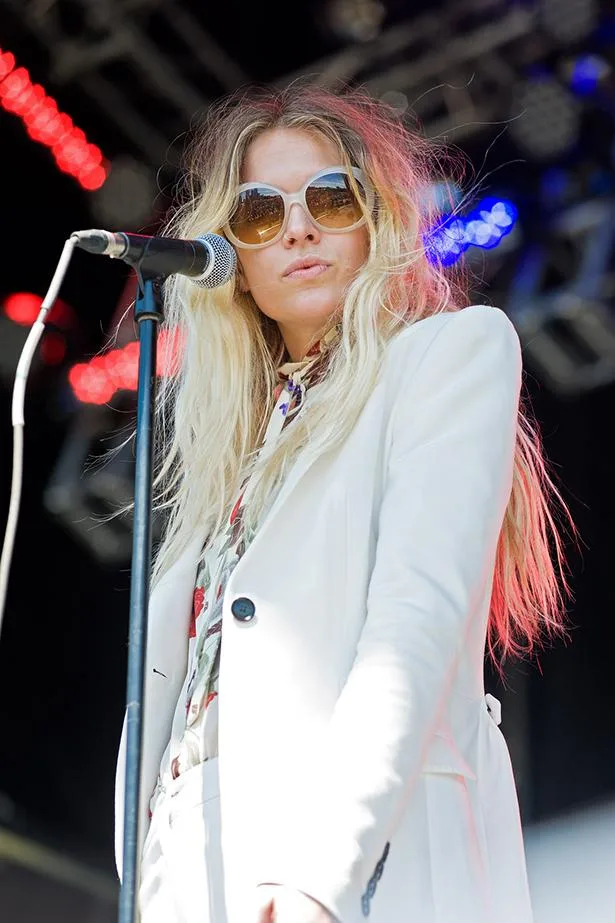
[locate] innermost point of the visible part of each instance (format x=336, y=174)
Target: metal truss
x=84, y=497
x=455, y=66
x=457, y=70
x=568, y=330
x=116, y=32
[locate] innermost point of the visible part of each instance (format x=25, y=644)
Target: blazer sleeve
x=449, y=472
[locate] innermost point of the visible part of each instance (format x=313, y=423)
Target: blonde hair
x=211, y=415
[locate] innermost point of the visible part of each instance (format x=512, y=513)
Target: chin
x=314, y=302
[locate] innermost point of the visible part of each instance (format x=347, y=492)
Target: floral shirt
x=194, y=736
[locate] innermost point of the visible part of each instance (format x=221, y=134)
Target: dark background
x=134, y=84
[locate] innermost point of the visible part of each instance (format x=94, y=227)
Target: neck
x=296, y=347
x=298, y=342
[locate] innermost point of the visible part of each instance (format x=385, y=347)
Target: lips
x=306, y=268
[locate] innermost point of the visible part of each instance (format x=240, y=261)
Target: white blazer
x=352, y=707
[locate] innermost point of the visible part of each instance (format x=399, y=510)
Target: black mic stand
x=148, y=314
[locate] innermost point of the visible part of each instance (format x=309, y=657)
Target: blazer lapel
x=298, y=471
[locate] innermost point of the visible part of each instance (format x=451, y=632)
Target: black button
x=243, y=609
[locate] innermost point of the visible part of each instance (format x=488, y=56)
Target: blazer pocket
x=443, y=756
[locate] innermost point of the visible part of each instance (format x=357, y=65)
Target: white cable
x=19, y=394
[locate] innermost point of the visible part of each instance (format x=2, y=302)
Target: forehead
x=287, y=157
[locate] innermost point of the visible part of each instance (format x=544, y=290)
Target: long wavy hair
x=211, y=414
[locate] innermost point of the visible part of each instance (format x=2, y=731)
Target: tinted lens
x=332, y=202
x=258, y=216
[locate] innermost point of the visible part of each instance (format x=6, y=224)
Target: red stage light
x=90, y=384
x=7, y=63
x=92, y=177
x=23, y=308
x=96, y=381
x=45, y=124
x=13, y=85
x=53, y=348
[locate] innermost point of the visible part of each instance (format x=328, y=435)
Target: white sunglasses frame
x=289, y=199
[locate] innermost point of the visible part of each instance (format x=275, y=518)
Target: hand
x=279, y=904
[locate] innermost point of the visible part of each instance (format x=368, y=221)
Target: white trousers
x=182, y=877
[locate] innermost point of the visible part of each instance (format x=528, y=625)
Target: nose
x=300, y=227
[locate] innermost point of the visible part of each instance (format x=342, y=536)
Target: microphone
x=208, y=260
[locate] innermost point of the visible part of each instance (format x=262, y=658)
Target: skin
x=301, y=307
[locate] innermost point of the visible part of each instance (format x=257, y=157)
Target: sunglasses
x=262, y=211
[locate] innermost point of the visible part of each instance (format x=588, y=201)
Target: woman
x=357, y=508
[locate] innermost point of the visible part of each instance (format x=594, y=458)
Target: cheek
x=355, y=251
x=259, y=276
x=255, y=268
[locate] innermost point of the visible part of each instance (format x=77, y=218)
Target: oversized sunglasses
x=261, y=214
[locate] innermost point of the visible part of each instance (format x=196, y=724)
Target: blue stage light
x=483, y=228
x=586, y=73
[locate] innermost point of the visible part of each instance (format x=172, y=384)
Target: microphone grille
x=223, y=262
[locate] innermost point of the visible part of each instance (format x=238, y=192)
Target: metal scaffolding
x=454, y=71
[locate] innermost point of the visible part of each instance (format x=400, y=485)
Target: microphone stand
x=148, y=314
